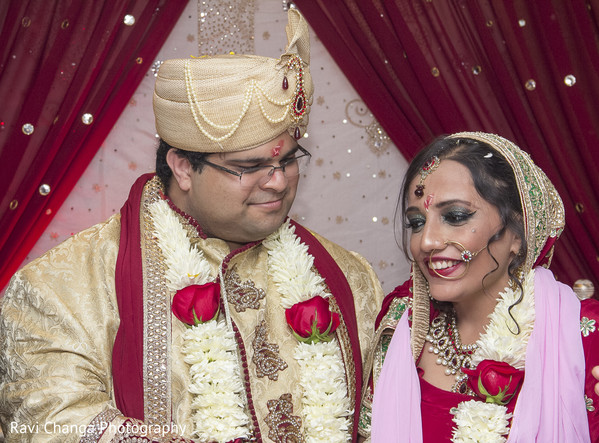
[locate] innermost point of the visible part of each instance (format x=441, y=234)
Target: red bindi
x=277, y=149
x=428, y=201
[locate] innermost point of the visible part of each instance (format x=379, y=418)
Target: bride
x=482, y=343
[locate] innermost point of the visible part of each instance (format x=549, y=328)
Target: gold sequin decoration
x=435, y=71
x=358, y=115
x=243, y=295
x=13, y=205
x=346, y=352
x=28, y=129
x=266, y=355
x=95, y=429
x=157, y=317
x=44, y=189
x=284, y=427
x=129, y=430
x=226, y=26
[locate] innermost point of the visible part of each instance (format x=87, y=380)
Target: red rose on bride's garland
x=312, y=321
x=196, y=303
x=494, y=381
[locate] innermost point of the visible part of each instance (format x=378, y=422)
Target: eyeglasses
x=260, y=175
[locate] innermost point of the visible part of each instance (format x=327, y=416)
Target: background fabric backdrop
x=525, y=71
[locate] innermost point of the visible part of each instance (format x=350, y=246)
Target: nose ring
x=466, y=255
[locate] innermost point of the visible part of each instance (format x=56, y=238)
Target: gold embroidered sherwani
x=60, y=318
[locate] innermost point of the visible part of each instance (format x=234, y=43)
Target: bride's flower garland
x=325, y=402
x=489, y=422
x=210, y=347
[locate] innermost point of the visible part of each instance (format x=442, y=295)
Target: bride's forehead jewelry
x=466, y=255
x=427, y=168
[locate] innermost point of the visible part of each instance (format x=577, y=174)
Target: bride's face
x=447, y=219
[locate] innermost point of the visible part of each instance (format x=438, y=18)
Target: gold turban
x=227, y=103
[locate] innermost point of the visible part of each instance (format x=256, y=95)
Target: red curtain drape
x=526, y=70
x=67, y=70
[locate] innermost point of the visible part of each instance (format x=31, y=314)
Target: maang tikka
x=427, y=168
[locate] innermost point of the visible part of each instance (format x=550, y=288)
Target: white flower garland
x=209, y=348
x=290, y=267
x=480, y=422
x=185, y=264
x=325, y=402
x=487, y=422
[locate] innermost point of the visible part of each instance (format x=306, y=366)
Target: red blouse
x=436, y=403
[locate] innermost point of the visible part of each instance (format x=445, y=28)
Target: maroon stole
x=127, y=355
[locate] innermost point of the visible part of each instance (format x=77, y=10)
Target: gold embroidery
x=95, y=429
x=136, y=431
x=266, y=355
x=284, y=427
x=106, y=427
x=157, y=317
x=347, y=354
x=243, y=295
x=365, y=422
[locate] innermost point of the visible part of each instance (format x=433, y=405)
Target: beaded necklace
x=444, y=337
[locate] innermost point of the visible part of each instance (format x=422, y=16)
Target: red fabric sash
x=127, y=355
x=337, y=283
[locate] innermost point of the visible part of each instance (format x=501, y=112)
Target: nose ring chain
x=466, y=255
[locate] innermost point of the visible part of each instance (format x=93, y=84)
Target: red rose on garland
x=312, y=320
x=494, y=381
x=197, y=304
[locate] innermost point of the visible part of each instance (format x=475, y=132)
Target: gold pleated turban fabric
x=227, y=103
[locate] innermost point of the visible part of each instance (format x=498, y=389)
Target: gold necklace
x=444, y=337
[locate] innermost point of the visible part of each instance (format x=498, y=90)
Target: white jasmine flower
x=209, y=348
x=480, y=422
x=475, y=420
x=326, y=406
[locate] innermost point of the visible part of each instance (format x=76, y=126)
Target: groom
x=200, y=311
